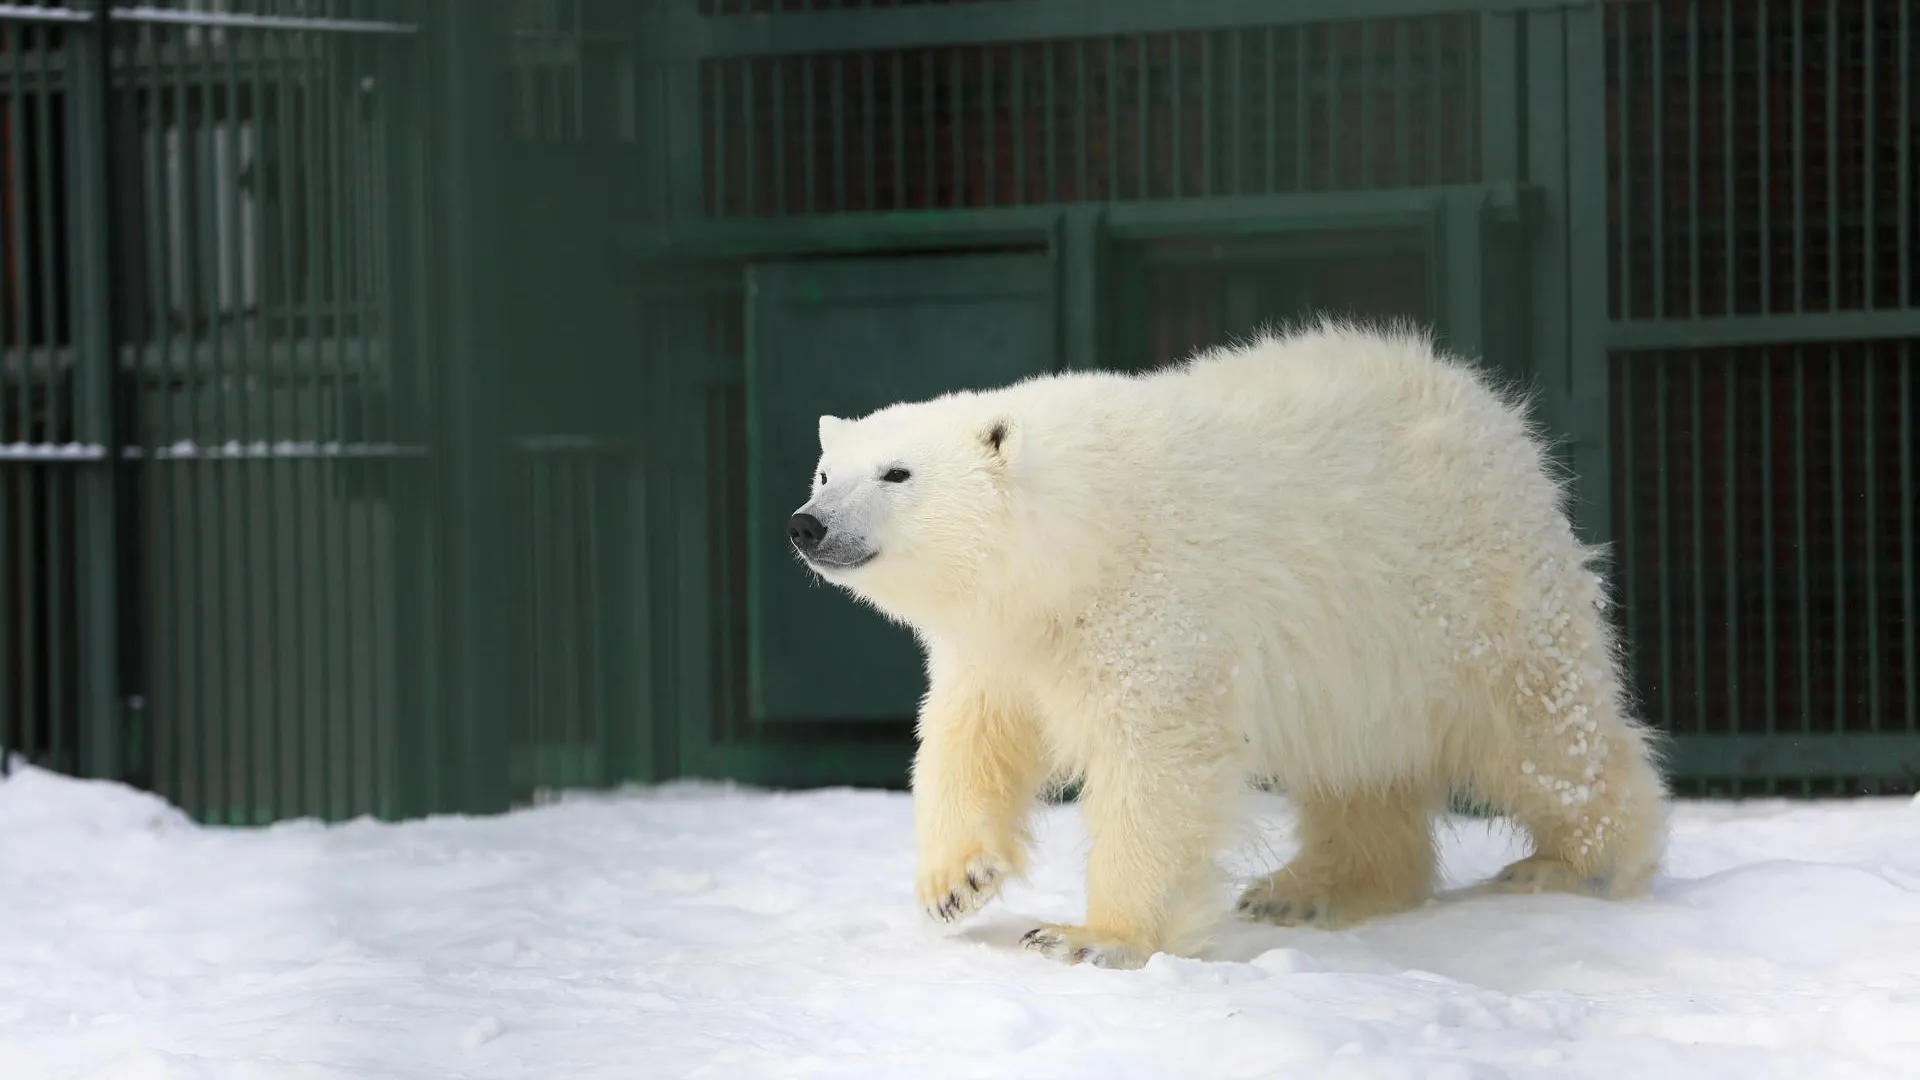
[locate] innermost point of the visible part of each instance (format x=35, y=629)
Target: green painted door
x=846, y=336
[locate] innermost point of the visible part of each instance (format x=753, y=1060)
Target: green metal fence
x=1764, y=318
x=402, y=396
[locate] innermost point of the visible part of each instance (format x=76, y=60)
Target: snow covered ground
x=697, y=931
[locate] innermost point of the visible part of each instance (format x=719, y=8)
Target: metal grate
x=1762, y=182
x=1763, y=156
x=1767, y=509
x=1321, y=107
x=41, y=444
x=1198, y=296
x=565, y=495
x=257, y=284
x=799, y=7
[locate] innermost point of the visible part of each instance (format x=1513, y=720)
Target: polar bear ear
x=830, y=428
x=1001, y=437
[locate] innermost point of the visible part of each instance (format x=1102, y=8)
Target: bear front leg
x=976, y=777
x=1155, y=819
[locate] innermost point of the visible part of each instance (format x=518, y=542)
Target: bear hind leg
x=1593, y=808
x=1362, y=855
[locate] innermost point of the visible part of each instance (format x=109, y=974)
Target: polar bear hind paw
x=1079, y=945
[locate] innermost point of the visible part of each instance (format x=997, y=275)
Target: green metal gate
x=402, y=396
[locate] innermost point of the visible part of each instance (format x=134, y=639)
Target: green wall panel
x=847, y=336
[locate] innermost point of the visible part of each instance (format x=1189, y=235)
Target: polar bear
x=1331, y=557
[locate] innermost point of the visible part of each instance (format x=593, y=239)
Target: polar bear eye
x=823, y=478
x=896, y=476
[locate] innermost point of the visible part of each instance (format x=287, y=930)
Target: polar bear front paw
x=956, y=889
x=1077, y=944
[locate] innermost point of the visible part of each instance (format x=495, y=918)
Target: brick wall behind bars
x=1762, y=164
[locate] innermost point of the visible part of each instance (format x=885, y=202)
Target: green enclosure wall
x=403, y=398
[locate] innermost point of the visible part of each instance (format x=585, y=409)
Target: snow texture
x=707, y=931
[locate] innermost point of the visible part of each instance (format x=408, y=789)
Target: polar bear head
x=910, y=504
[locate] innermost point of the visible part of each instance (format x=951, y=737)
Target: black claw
x=1031, y=938
x=1081, y=954
x=972, y=883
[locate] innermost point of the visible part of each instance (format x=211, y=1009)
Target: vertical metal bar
x=1838, y=460
x=1698, y=497
x=1467, y=147
x=1365, y=30
x=1735, y=719
x=1729, y=221
x=1833, y=159
x=929, y=136
x=870, y=120
x=538, y=521
x=594, y=587
x=897, y=108
x=1868, y=42
x=1870, y=451
x=298, y=791
x=577, y=606
x=1273, y=112
x=152, y=357
x=54, y=478
x=1017, y=120
x=717, y=77
x=325, y=387
x=201, y=307
x=1664, y=535
x=839, y=107
x=1113, y=118
x=749, y=138
x=1909, y=507
x=1238, y=81
x=1435, y=38
x=991, y=196
x=1801, y=556
x=1658, y=123
x=1799, y=162
x=355, y=271
x=1694, y=172
x=226, y=324
x=1629, y=436
x=381, y=184
x=1206, y=113
x=22, y=346
x=957, y=101
x=209, y=696
x=777, y=138
x=1907, y=241
x=1143, y=118
x=1763, y=178
x=1302, y=86
x=1083, y=112
x=1176, y=105
x=810, y=137
x=1049, y=135
x=1402, y=130
x=1336, y=94
x=1624, y=155
x=1770, y=625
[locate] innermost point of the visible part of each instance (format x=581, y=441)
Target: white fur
x=1329, y=557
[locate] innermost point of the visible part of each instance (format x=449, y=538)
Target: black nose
x=806, y=532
